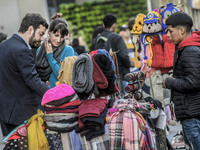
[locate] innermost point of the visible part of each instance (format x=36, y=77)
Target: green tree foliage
x=84, y=18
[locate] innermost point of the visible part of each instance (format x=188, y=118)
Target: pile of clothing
x=92, y=118
x=94, y=73
x=61, y=106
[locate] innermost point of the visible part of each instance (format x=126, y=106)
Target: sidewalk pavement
x=173, y=131
x=1, y=139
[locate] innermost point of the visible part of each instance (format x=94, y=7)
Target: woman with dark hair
x=97, y=31
x=53, y=50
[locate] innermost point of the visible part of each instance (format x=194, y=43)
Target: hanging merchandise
x=136, y=32
x=136, y=82
x=166, y=11
x=152, y=27
x=66, y=69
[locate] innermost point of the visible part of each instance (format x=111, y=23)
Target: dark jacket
x=185, y=84
x=117, y=45
x=20, y=88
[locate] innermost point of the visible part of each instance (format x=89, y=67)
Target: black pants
x=7, y=128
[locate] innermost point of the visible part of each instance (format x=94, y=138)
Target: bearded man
x=21, y=89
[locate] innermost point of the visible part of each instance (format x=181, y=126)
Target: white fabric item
x=161, y=121
x=154, y=113
x=157, y=85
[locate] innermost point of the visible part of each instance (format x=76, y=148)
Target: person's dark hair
x=97, y=31
x=75, y=42
x=2, y=37
x=58, y=24
x=109, y=20
x=131, y=22
x=180, y=19
x=32, y=19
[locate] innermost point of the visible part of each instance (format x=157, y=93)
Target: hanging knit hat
x=59, y=92
x=106, y=66
x=136, y=31
x=98, y=76
x=82, y=74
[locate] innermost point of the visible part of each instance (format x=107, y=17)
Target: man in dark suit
x=21, y=89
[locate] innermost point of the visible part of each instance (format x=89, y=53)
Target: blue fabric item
x=191, y=133
x=55, y=67
x=75, y=53
x=124, y=84
x=103, y=51
x=75, y=140
x=146, y=89
x=21, y=89
x=68, y=107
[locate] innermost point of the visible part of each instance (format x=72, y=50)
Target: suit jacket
x=21, y=89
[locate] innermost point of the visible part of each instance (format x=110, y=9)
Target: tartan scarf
x=124, y=131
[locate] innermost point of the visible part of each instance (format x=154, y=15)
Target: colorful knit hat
x=59, y=92
x=136, y=32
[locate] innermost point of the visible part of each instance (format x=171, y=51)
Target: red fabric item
x=157, y=49
x=99, y=78
x=169, y=49
x=80, y=123
x=116, y=87
x=14, y=136
x=92, y=107
x=193, y=40
x=73, y=103
x=93, y=52
x=163, y=55
x=62, y=111
x=172, y=111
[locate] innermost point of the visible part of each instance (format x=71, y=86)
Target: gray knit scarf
x=82, y=74
x=42, y=64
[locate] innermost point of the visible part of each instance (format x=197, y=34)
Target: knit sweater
x=55, y=66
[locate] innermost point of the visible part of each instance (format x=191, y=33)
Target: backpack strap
x=103, y=38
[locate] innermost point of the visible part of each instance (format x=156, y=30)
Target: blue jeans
x=191, y=133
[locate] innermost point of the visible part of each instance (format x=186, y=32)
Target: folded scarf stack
x=92, y=118
x=61, y=106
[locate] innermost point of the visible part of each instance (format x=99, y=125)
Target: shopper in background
x=125, y=32
x=79, y=49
